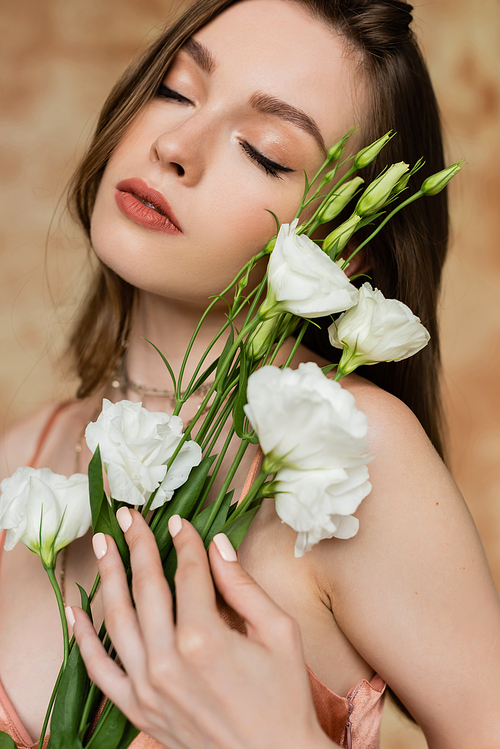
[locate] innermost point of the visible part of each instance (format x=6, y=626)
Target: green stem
x=225, y=486
x=94, y=587
x=60, y=604
x=216, y=429
x=248, y=499
x=50, y=705
x=215, y=471
x=297, y=343
x=253, y=261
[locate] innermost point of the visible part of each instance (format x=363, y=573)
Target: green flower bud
x=336, y=151
x=339, y=237
x=338, y=201
x=437, y=182
x=366, y=156
x=378, y=193
x=270, y=246
x=328, y=178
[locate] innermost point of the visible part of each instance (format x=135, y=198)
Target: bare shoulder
x=19, y=441
x=407, y=588
x=55, y=427
x=391, y=424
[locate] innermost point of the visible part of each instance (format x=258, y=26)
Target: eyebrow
x=259, y=101
x=201, y=55
x=278, y=108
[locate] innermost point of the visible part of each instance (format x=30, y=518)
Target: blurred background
x=58, y=60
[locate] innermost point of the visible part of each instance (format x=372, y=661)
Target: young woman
x=214, y=126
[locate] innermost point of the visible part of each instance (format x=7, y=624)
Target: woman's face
x=248, y=105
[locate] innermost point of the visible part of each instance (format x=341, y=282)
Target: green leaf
x=96, y=487
x=110, y=729
x=166, y=363
x=6, y=741
x=236, y=529
x=205, y=375
x=69, y=703
x=182, y=503
x=328, y=368
x=200, y=520
x=129, y=735
x=85, y=601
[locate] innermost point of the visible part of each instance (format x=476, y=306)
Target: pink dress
x=351, y=721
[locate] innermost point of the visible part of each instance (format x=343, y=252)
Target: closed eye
x=270, y=167
x=164, y=92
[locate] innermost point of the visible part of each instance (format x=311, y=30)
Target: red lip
x=131, y=196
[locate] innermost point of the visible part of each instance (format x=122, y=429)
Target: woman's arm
x=413, y=591
x=197, y=683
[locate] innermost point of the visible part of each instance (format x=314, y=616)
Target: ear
x=359, y=263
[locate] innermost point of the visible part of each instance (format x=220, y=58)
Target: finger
x=119, y=614
x=102, y=670
x=267, y=623
x=152, y=597
x=194, y=588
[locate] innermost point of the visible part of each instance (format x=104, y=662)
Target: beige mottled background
x=58, y=59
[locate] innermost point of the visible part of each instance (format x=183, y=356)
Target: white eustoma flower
x=312, y=435
x=376, y=330
x=303, y=280
x=43, y=510
x=135, y=445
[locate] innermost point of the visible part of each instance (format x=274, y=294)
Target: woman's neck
x=169, y=324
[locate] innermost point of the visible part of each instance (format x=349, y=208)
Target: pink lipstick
x=145, y=206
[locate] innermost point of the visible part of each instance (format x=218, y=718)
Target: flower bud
x=339, y=237
x=266, y=333
x=328, y=178
x=336, y=151
x=378, y=193
x=338, y=201
x=262, y=338
x=270, y=246
x=437, y=182
x=366, y=156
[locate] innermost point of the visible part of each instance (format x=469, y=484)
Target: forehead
x=276, y=47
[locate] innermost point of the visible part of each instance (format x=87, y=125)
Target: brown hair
x=407, y=256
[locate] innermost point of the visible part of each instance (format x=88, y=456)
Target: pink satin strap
x=252, y=474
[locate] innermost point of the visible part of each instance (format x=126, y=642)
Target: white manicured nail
x=100, y=545
x=124, y=518
x=174, y=525
x=225, y=547
x=70, y=618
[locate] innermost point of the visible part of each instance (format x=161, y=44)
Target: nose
x=184, y=149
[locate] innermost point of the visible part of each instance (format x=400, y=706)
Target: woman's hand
x=197, y=683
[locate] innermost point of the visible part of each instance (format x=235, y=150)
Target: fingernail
x=174, y=525
x=100, y=545
x=124, y=518
x=70, y=618
x=225, y=547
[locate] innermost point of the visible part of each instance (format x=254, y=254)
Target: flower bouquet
x=312, y=456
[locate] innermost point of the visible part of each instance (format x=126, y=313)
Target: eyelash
x=270, y=167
